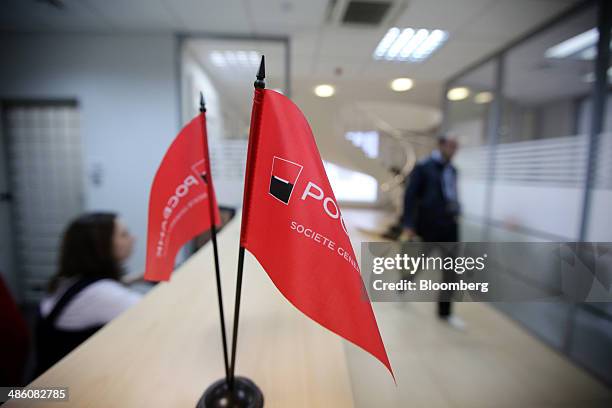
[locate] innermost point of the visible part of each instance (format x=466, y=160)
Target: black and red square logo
x=283, y=178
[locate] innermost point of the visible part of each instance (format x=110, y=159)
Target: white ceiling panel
x=226, y=16
x=284, y=16
x=136, y=15
x=449, y=59
x=350, y=67
x=455, y=57
x=443, y=14
x=318, y=48
x=349, y=42
x=506, y=20
x=349, y=92
x=39, y=16
x=302, y=65
x=389, y=69
x=305, y=43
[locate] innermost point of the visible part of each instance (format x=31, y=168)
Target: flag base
x=244, y=395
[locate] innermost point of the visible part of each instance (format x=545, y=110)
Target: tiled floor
x=493, y=363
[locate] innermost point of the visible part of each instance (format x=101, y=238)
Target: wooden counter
x=167, y=349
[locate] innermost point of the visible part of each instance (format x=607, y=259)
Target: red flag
x=179, y=207
x=292, y=224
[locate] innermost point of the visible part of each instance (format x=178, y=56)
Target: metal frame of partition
x=598, y=93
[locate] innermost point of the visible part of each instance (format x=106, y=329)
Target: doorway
x=42, y=189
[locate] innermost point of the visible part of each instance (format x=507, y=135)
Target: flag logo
x=283, y=177
x=178, y=203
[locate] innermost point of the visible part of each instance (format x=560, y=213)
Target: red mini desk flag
x=178, y=205
x=292, y=224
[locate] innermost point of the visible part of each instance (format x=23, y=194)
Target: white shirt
x=96, y=305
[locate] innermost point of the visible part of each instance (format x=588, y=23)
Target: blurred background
x=92, y=93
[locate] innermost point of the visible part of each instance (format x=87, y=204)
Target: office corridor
x=436, y=366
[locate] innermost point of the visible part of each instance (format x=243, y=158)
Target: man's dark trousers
x=448, y=233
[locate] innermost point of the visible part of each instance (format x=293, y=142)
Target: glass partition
x=523, y=166
x=469, y=117
x=542, y=155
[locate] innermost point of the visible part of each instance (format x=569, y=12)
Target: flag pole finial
x=202, y=103
x=261, y=74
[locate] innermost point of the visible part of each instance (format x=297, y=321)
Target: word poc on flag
x=291, y=223
x=179, y=207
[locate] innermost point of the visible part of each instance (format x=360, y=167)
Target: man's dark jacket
x=426, y=209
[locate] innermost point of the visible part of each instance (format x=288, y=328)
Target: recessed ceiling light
x=235, y=58
x=457, y=94
x=401, y=84
x=483, y=97
x=324, y=90
x=409, y=44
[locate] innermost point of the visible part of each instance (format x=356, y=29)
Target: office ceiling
x=322, y=48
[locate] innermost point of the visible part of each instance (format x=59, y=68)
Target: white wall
x=128, y=100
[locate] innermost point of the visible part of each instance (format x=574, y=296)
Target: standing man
x=431, y=208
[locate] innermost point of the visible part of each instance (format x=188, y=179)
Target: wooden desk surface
x=167, y=349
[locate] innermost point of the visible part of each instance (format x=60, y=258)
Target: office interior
x=92, y=93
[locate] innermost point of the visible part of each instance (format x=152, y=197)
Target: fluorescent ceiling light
x=431, y=42
x=248, y=59
x=401, y=84
x=399, y=44
x=386, y=42
x=457, y=94
x=572, y=46
x=415, y=42
x=324, y=90
x=409, y=44
x=483, y=97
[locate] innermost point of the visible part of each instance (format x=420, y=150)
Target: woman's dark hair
x=87, y=249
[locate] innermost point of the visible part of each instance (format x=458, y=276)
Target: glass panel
x=546, y=320
x=591, y=342
x=541, y=161
x=547, y=79
x=469, y=102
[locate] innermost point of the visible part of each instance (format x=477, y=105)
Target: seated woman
x=86, y=291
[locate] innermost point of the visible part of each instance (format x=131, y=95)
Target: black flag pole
x=213, y=234
x=259, y=84
x=235, y=392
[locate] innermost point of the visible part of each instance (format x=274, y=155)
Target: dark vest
x=52, y=343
